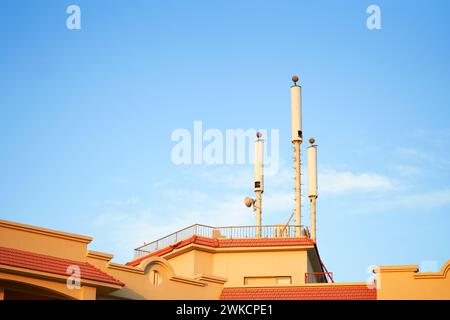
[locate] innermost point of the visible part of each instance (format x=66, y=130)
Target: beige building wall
x=243, y=266
x=271, y=267
x=43, y=241
x=185, y=264
x=406, y=283
x=141, y=282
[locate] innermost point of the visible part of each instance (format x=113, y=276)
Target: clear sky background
x=86, y=118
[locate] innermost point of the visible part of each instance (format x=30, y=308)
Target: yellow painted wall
x=405, y=283
x=43, y=241
x=184, y=264
x=204, y=263
x=171, y=286
x=235, y=266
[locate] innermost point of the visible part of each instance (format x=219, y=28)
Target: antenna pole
x=312, y=184
x=312, y=200
x=298, y=190
x=297, y=137
x=259, y=181
x=258, y=212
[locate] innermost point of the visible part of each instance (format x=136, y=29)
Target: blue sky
x=86, y=118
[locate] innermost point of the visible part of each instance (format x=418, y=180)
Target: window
x=155, y=278
x=266, y=281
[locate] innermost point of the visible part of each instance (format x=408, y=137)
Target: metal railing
x=329, y=274
x=234, y=232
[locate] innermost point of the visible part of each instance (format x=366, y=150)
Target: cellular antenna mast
x=297, y=138
x=258, y=183
x=312, y=184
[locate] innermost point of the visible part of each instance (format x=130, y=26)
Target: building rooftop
x=227, y=243
x=229, y=232
x=40, y=262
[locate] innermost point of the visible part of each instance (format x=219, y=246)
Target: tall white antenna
x=258, y=184
x=297, y=137
x=312, y=184
x=259, y=180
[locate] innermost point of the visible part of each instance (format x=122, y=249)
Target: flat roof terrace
x=230, y=232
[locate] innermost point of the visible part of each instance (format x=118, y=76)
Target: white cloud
x=334, y=182
x=416, y=202
x=130, y=201
x=408, y=152
x=435, y=137
x=217, y=200
x=121, y=231
x=124, y=228
x=406, y=170
x=279, y=202
x=234, y=177
x=437, y=160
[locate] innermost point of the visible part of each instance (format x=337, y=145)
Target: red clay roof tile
x=227, y=243
x=45, y=263
x=322, y=292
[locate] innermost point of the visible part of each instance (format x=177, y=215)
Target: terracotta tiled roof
x=228, y=243
x=319, y=292
x=265, y=242
x=45, y=263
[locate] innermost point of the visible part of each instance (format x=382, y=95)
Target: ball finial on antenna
x=258, y=134
x=295, y=79
x=312, y=140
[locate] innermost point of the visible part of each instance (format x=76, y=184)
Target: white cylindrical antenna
x=312, y=184
x=312, y=168
x=297, y=137
x=296, y=111
x=259, y=181
x=259, y=163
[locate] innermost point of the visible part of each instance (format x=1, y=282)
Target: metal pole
x=312, y=199
x=258, y=211
x=298, y=192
